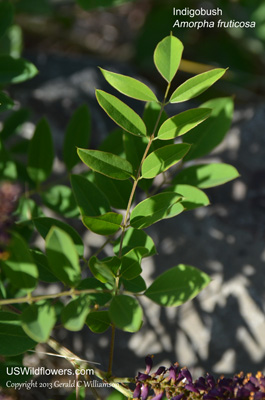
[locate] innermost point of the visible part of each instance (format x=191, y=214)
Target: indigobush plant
x=117, y=196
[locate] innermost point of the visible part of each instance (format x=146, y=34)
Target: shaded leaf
x=104, y=270
x=41, y=261
x=20, y=267
x=106, y=224
x=126, y=313
x=129, y=86
x=131, y=263
x=113, y=143
x=162, y=159
x=98, y=321
x=38, y=321
x=77, y=135
x=15, y=70
x=155, y=208
x=167, y=57
x=41, y=153
x=182, y=123
x=204, y=138
x=135, y=285
x=177, y=285
x=13, y=122
x=206, y=175
x=75, y=312
x=63, y=257
x=135, y=238
x=60, y=198
x=106, y=163
x=13, y=339
x=100, y=298
x=121, y=114
x=91, y=201
x=6, y=16
x=5, y=101
x=43, y=225
x=196, y=85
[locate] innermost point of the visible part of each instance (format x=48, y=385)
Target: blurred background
x=221, y=331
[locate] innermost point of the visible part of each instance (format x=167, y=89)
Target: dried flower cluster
x=177, y=384
x=9, y=193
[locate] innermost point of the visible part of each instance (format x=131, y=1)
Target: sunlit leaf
x=15, y=70
x=167, y=57
x=105, y=224
x=192, y=196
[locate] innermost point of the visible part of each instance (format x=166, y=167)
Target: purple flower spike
x=178, y=397
x=149, y=364
x=186, y=374
x=142, y=377
x=158, y=396
x=137, y=391
x=191, y=388
x=144, y=392
x=160, y=371
x=210, y=380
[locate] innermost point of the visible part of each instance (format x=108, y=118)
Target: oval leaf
x=106, y=163
x=207, y=175
x=155, y=208
x=41, y=261
x=135, y=238
x=196, y=85
x=62, y=256
x=178, y=285
x=204, y=138
x=91, y=201
x=167, y=57
x=100, y=298
x=98, y=321
x=38, y=321
x=162, y=159
x=121, y=114
x=60, y=198
x=41, y=154
x=106, y=224
x=131, y=263
x=129, y=86
x=126, y=313
x=75, y=312
x=13, y=339
x=104, y=270
x=135, y=285
x=77, y=135
x=43, y=225
x=192, y=196
x=20, y=267
x=15, y=70
x=182, y=123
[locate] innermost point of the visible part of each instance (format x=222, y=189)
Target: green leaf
x=100, y=298
x=121, y=114
x=75, y=312
x=27, y=210
x=131, y=263
x=63, y=257
x=13, y=339
x=126, y=313
x=155, y=208
x=106, y=224
x=196, y=85
x=135, y=285
x=41, y=153
x=77, y=135
x=91, y=4
x=129, y=86
x=162, y=159
x=41, y=261
x=106, y=163
x=8, y=168
x=135, y=238
x=182, y=123
x=150, y=116
x=167, y=57
x=60, y=198
x=117, y=192
x=13, y=122
x=192, y=196
x=104, y=270
x=38, y=321
x=43, y=225
x=98, y=321
x=6, y=16
x=91, y=201
x=5, y=101
x=204, y=138
x=15, y=70
x=177, y=285
x=206, y=175
x=20, y=267
x=113, y=143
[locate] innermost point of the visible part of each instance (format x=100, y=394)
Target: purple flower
x=158, y=396
x=191, y=388
x=186, y=374
x=144, y=392
x=142, y=377
x=137, y=391
x=160, y=371
x=148, y=363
